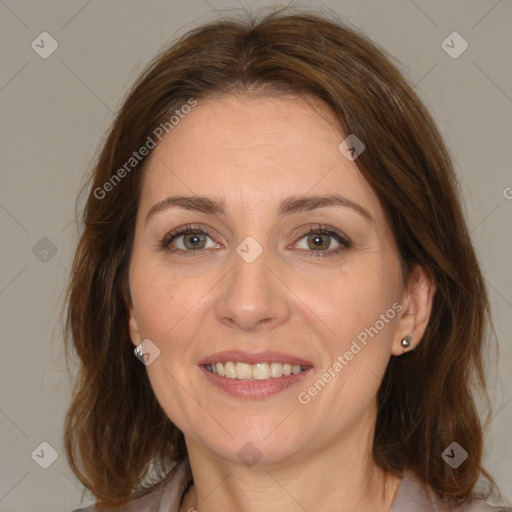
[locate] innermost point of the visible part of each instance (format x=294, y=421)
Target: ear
x=417, y=301
x=133, y=326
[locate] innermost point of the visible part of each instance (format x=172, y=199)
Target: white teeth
x=243, y=371
x=276, y=369
x=230, y=370
x=259, y=371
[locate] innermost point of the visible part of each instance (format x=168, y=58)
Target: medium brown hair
x=116, y=434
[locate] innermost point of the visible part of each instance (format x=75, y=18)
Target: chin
x=251, y=444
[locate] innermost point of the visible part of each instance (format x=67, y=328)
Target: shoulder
x=164, y=497
x=479, y=505
x=412, y=496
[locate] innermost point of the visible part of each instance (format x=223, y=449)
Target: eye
x=187, y=240
x=318, y=240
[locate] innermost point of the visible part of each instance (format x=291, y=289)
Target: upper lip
x=254, y=358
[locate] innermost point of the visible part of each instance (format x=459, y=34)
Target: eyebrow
x=293, y=204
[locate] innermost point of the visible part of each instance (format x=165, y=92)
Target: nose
x=254, y=295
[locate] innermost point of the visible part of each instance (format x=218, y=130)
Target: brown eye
x=188, y=240
x=194, y=240
x=319, y=242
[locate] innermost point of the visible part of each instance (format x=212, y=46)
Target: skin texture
x=252, y=153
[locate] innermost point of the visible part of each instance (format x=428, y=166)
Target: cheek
x=362, y=313
x=168, y=388
x=358, y=301
x=162, y=301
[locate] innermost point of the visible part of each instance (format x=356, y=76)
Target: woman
x=275, y=300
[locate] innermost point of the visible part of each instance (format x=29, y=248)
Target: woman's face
x=250, y=284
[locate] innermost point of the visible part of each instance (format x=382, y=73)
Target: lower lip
x=254, y=388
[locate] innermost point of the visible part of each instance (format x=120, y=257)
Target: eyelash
x=165, y=241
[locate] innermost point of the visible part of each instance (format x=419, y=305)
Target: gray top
x=410, y=497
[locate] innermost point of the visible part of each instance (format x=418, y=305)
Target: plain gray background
x=55, y=113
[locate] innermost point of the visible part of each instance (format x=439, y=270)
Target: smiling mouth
x=259, y=371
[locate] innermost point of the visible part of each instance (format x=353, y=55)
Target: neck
x=339, y=476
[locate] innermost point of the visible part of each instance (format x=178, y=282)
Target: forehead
x=255, y=150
